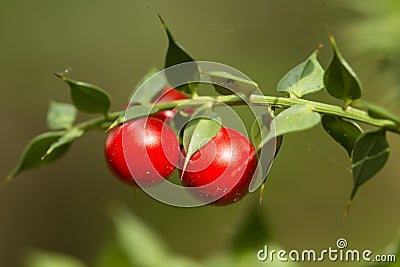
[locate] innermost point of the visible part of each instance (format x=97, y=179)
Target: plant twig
x=273, y=101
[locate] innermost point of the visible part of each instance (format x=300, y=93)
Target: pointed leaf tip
x=58, y=75
x=175, y=55
x=6, y=180
x=347, y=209
x=339, y=79
x=110, y=128
x=67, y=138
x=261, y=193
x=32, y=155
x=45, y=155
x=162, y=21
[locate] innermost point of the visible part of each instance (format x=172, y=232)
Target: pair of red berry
x=146, y=151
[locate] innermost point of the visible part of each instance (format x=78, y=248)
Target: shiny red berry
x=221, y=171
x=144, y=151
x=168, y=94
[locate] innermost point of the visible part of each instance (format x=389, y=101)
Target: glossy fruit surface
x=221, y=171
x=144, y=151
x=168, y=94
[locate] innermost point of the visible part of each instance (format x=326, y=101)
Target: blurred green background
x=113, y=43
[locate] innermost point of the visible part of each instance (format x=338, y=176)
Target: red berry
x=168, y=94
x=143, y=151
x=221, y=170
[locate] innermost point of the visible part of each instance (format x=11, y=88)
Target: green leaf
x=305, y=78
x=38, y=258
x=204, y=124
x=369, y=156
x=139, y=243
x=342, y=131
x=299, y=117
x=86, y=97
x=61, y=116
x=176, y=55
x=226, y=83
x=339, y=79
x=198, y=133
x=32, y=155
x=67, y=138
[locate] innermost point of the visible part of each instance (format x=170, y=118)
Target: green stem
x=274, y=101
x=352, y=113
x=99, y=123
